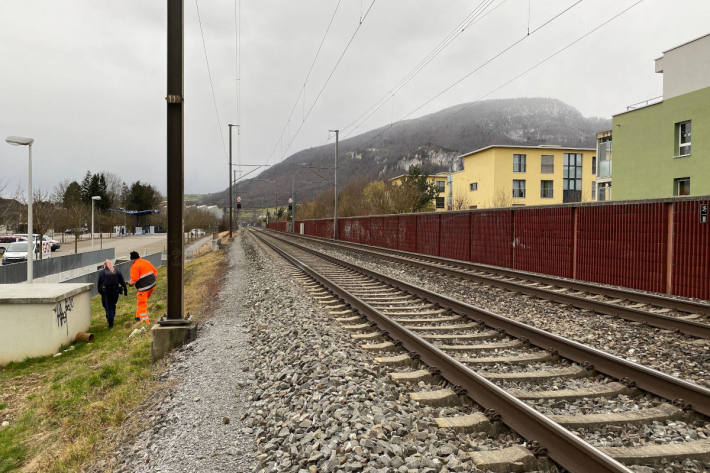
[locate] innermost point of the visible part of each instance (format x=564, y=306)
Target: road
x=144, y=244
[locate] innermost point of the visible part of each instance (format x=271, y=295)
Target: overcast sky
x=86, y=78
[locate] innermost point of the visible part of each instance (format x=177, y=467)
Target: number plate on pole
x=703, y=213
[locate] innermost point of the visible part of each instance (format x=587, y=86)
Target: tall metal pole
x=30, y=233
x=335, y=187
x=229, y=176
x=92, y=223
x=175, y=154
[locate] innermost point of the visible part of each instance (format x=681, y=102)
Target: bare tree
x=501, y=198
x=460, y=202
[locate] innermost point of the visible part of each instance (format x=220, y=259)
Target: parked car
x=54, y=243
x=6, y=240
x=16, y=252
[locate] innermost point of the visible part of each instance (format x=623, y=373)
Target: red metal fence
x=650, y=245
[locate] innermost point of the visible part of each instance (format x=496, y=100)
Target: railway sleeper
x=599, y=390
x=413, y=376
x=476, y=422
x=512, y=359
x=481, y=347
x=570, y=372
x=641, y=416
x=403, y=359
x=439, y=398
x=696, y=449
x=511, y=459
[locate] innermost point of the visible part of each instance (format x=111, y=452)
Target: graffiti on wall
x=62, y=310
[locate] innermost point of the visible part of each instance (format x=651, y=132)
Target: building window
x=518, y=187
x=547, y=164
x=473, y=186
x=439, y=202
x=681, y=186
x=594, y=165
x=440, y=186
x=594, y=191
x=546, y=189
x=682, y=138
x=604, y=191
x=518, y=163
x=472, y=207
x=572, y=177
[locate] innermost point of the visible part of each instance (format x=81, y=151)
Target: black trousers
x=109, y=302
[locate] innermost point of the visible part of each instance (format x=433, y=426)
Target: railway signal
x=239, y=203
x=290, y=205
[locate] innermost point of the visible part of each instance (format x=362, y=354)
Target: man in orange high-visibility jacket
x=144, y=277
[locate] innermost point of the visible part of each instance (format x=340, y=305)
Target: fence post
x=670, y=208
x=575, y=226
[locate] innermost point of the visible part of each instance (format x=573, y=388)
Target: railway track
x=680, y=315
x=541, y=385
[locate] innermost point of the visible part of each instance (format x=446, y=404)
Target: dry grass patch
x=62, y=410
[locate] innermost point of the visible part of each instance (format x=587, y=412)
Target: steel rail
x=656, y=299
x=647, y=379
x=560, y=444
x=688, y=327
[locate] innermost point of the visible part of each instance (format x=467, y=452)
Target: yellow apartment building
x=504, y=176
x=440, y=180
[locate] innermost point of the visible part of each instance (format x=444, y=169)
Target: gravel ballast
x=675, y=354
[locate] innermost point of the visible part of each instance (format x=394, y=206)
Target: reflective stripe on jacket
x=143, y=274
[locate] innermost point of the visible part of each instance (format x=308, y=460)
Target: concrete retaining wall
x=17, y=273
x=38, y=319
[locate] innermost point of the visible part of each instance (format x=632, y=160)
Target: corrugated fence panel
x=428, y=231
x=543, y=240
x=407, y=235
x=491, y=237
x=345, y=230
x=390, y=230
x=623, y=245
x=367, y=230
x=691, y=251
x=455, y=236
x=377, y=231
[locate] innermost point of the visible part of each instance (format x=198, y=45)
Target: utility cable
x=330, y=76
x=302, y=90
x=384, y=129
x=491, y=59
x=473, y=17
x=209, y=74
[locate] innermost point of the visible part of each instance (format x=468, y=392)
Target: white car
x=17, y=253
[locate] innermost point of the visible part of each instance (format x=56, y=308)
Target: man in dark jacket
x=110, y=285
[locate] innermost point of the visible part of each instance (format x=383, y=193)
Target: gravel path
x=675, y=354
x=197, y=427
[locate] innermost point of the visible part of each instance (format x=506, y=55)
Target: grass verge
x=62, y=410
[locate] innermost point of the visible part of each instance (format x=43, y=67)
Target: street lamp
x=22, y=141
x=94, y=198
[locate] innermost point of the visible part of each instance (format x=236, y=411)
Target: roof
x=442, y=174
x=524, y=147
x=686, y=43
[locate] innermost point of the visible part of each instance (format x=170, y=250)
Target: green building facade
x=663, y=149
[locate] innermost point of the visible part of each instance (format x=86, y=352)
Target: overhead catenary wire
x=473, y=17
x=492, y=58
x=302, y=89
x=330, y=76
x=209, y=75
x=384, y=129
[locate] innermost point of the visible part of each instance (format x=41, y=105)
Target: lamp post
x=94, y=198
x=23, y=141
